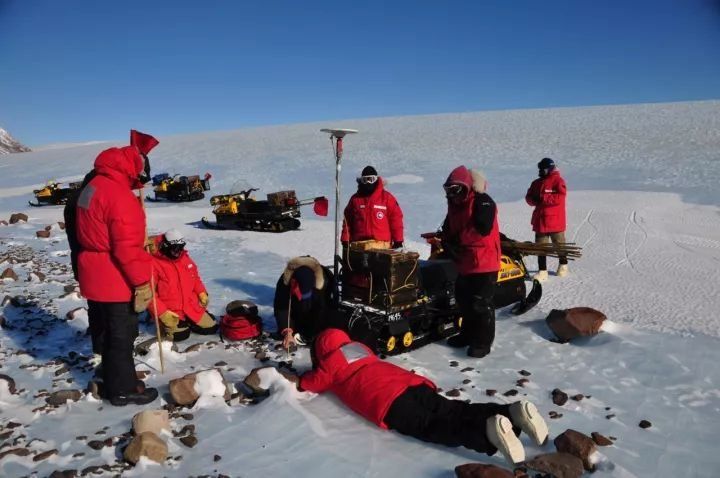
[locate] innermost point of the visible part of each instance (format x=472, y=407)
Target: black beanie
x=546, y=163
x=368, y=171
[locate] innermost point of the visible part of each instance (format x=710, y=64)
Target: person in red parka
x=373, y=213
x=181, y=297
x=113, y=266
x=471, y=236
x=547, y=195
x=396, y=399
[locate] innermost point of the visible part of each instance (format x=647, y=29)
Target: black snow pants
x=113, y=328
x=422, y=413
x=474, y=295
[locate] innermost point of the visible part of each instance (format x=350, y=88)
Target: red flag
x=295, y=289
x=320, y=206
x=144, y=142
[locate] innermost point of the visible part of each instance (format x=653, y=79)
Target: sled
x=280, y=212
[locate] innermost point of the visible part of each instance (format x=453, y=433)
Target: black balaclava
x=367, y=189
x=545, y=167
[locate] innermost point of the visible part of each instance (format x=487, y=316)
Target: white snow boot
x=526, y=416
x=500, y=433
x=541, y=276
x=563, y=270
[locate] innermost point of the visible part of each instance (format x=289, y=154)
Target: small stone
x=73, y=314
x=524, y=373
x=612, y=415
x=62, y=396
x=561, y=465
x=217, y=458
x=522, y=382
x=10, y=383
x=46, y=454
x=578, y=397
x=600, y=440
x=9, y=274
x=252, y=381
x=467, y=369
x=644, y=424
x=193, y=348
x=511, y=393
x=43, y=234
x=63, y=474
x=453, y=393
x=559, y=397
x=454, y=363
x=15, y=451
x=554, y=415
x=577, y=444
x=61, y=225
x=96, y=444
x=466, y=381
x=221, y=363
x=188, y=416
x=479, y=470
x=146, y=444
x=490, y=392
x=17, y=217
x=189, y=441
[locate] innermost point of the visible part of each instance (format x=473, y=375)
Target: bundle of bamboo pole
x=567, y=249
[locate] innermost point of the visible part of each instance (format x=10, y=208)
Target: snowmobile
x=179, y=188
x=413, y=301
x=278, y=213
x=54, y=195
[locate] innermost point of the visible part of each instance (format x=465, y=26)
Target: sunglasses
x=453, y=190
x=371, y=179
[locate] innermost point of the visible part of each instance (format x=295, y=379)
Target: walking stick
x=152, y=289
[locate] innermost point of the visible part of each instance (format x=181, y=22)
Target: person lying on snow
x=181, y=295
x=303, y=295
x=396, y=399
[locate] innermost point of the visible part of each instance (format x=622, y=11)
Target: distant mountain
x=8, y=144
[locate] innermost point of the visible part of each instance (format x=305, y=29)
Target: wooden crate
x=389, y=270
x=280, y=198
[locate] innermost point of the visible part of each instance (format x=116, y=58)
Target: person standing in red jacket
x=373, y=213
x=472, y=238
x=547, y=195
x=181, y=295
x=113, y=266
x=396, y=399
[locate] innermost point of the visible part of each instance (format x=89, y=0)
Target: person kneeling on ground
x=396, y=399
x=303, y=295
x=181, y=295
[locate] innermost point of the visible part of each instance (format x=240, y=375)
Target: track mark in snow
x=589, y=222
x=632, y=220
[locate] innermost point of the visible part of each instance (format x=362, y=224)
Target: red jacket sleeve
x=347, y=218
x=554, y=194
x=317, y=381
x=127, y=240
x=395, y=217
x=157, y=302
x=533, y=195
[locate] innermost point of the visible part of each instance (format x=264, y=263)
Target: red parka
x=477, y=253
x=377, y=216
x=548, y=196
x=360, y=380
x=178, y=283
x=111, y=229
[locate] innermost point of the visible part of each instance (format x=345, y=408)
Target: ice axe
x=336, y=140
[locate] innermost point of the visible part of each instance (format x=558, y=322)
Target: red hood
x=329, y=341
x=121, y=164
x=460, y=175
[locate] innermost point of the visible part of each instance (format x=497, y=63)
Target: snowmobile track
x=632, y=220
x=586, y=220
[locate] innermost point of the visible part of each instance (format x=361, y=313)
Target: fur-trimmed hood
x=304, y=261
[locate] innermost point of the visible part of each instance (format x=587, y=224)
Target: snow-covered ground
x=643, y=203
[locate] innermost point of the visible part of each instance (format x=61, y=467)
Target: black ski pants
x=113, y=328
x=474, y=295
x=422, y=413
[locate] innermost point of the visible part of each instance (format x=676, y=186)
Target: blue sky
x=84, y=70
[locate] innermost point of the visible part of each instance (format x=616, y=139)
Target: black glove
x=397, y=244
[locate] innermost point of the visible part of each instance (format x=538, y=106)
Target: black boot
x=136, y=398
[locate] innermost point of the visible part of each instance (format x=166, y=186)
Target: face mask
x=173, y=249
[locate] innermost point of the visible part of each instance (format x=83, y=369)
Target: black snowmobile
x=179, y=188
x=394, y=302
x=280, y=212
x=54, y=195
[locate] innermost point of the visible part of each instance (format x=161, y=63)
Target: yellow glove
x=203, y=298
x=170, y=319
x=143, y=296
